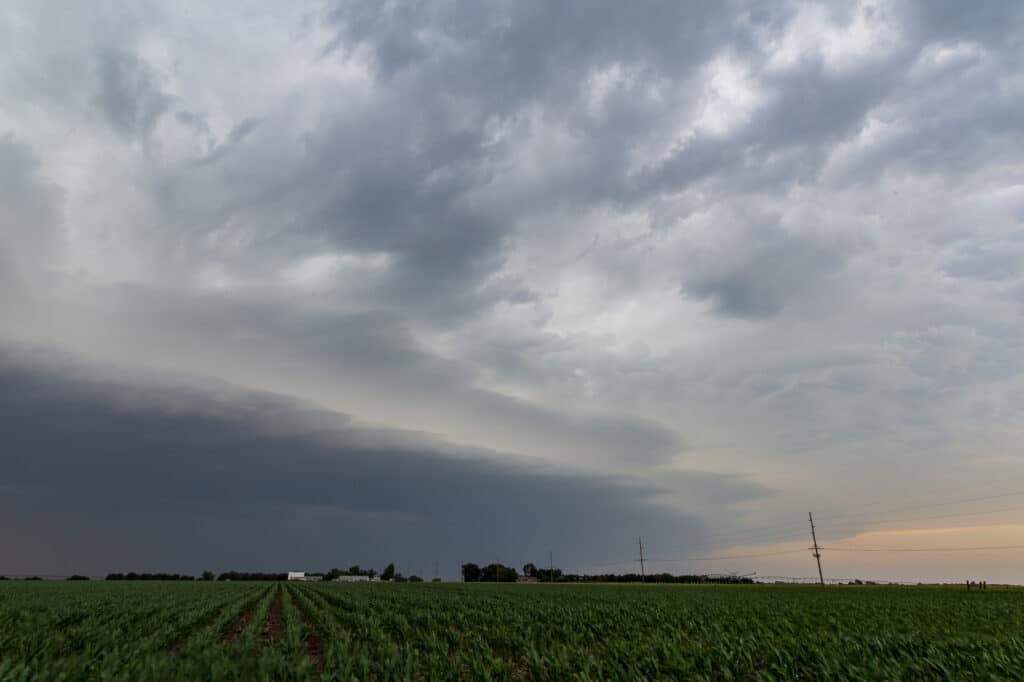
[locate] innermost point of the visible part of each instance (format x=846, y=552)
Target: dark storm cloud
x=765, y=270
x=393, y=178
x=377, y=354
x=31, y=217
x=994, y=22
x=235, y=136
x=591, y=233
x=519, y=49
x=403, y=173
x=1000, y=261
x=413, y=168
x=81, y=451
x=129, y=93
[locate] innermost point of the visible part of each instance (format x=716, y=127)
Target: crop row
x=289, y=631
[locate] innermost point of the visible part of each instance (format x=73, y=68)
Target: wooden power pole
x=817, y=550
x=551, y=566
x=640, y=539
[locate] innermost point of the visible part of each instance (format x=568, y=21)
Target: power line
x=923, y=549
x=936, y=516
x=842, y=518
x=817, y=550
x=698, y=558
x=763, y=554
x=948, y=503
x=726, y=558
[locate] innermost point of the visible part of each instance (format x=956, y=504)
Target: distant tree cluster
x=352, y=570
x=491, y=573
x=241, y=576
x=78, y=577
x=472, y=573
x=655, y=578
x=149, y=576
x=543, y=574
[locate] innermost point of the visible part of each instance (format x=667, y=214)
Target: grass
x=169, y=631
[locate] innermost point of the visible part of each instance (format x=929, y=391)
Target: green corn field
x=307, y=631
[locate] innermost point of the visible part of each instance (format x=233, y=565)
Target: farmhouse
x=352, y=579
x=300, y=576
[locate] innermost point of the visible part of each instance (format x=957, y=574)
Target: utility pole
x=817, y=551
x=640, y=539
x=551, y=566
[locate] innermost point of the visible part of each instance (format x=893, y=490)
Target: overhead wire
x=755, y=535
x=828, y=524
x=948, y=503
x=992, y=548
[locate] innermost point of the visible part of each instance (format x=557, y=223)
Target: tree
x=470, y=573
x=547, y=575
x=389, y=573
x=530, y=571
x=207, y=575
x=415, y=579
x=354, y=570
x=498, y=573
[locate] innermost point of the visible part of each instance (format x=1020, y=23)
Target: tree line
x=148, y=576
x=499, y=573
x=389, y=574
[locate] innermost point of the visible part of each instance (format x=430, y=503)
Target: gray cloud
x=31, y=224
x=129, y=93
x=383, y=365
x=724, y=238
x=82, y=449
x=761, y=277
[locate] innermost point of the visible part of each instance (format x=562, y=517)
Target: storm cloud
x=595, y=251
x=109, y=472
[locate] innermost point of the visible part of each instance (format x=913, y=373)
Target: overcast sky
x=296, y=285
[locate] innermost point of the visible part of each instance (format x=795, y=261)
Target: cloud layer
x=776, y=243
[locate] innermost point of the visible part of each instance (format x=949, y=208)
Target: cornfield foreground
x=297, y=631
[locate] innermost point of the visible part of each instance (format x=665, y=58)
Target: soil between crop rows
x=273, y=627
x=314, y=644
x=232, y=635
